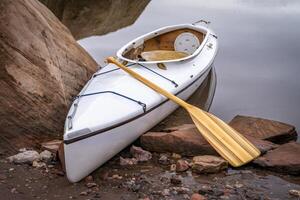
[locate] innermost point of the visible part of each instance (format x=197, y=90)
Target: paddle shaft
x=149, y=83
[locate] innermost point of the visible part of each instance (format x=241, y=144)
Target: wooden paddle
x=230, y=144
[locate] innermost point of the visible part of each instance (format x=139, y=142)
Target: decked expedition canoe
x=114, y=109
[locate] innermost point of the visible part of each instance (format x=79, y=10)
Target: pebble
x=84, y=193
x=3, y=177
x=13, y=190
x=295, y=193
x=38, y=164
x=90, y=185
x=89, y=179
x=140, y=154
x=176, y=156
x=173, y=167
x=166, y=192
x=116, y=176
x=164, y=160
x=182, y=165
x=128, y=161
x=175, y=179
x=197, y=196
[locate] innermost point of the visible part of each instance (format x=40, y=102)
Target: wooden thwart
x=230, y=144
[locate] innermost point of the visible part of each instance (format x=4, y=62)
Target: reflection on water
x=259, y=56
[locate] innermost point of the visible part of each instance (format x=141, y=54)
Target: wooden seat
x=160, y=55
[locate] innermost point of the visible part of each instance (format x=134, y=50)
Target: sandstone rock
x=128, y=161
x=265, y=129
x=208, y=164
x=42, y=69
x=140, y=154
x=197, y=196
x=182, y=165
x=26, y=157
x=284, y=159
x=46, y=156
x=187, y=140
x=51, y=146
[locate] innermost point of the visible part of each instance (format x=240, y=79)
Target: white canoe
x=114, y=109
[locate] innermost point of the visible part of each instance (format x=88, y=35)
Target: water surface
x=258, y=62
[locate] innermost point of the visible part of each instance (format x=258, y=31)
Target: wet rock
x=140, y=154
x=176, y=179
x=128, y=161
x=164, y=160
x=295, y=193
x=26, y=157
x=265, y=129
x=51, y=146
x=208, y=164
x=263, y=145
x=182, y=165
x=46, y=156
x=184, y=140
x=197, y=196
x=284, y=159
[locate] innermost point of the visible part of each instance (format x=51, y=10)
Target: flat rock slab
x=186, y=140
x=265, y=129
x=284, y=159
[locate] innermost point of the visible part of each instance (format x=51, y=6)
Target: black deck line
x=133, y=118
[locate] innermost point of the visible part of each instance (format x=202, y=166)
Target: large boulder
x=85, y=18
x=41, y=67
x=186, y=140
x=265, y=129
x=284, y=159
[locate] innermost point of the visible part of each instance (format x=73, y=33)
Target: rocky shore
x=175, y=163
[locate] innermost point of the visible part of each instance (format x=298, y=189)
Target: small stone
x=182, y=165
x=164, y=160
x=238, y=185
x=176, y=156
x=197, y=196
x=46, y=156
x=128, y=161
x=140, y=154
x=175, y=179
x=26, y=157
x=91, y=185
x=165, y=192
x=181, y=190
x=116, y=176
x=11, y=169
x=295, y=193
x=38, y=164
x=89, y=179
x=22, y=150
x=84, y=193
x=173, y=167
x=208, y=164
x=14, y=190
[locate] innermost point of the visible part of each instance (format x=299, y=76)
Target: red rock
x=208, y=164
x=140, y=154
x=284, y=159
x=265, y=129
x=182, y=165
x=197, y=196
x=186, y=140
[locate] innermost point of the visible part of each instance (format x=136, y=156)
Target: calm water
x=258, y=64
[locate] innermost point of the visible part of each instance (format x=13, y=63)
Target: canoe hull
x=92, y=152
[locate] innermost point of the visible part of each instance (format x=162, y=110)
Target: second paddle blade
x=230, y=144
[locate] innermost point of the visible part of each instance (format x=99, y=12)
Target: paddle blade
x=230, y=144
